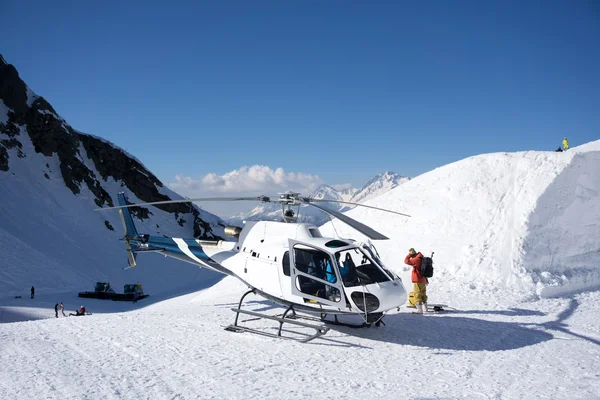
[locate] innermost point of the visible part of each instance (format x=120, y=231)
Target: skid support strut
x=284, y=318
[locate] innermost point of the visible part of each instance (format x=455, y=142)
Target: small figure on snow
x=56, y=310
x=565, y=144
x=78, y=313
x=62, y=309
x=32, y=292
x=420, y=283
x=559, y=150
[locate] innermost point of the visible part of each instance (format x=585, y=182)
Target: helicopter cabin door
x=315, y=276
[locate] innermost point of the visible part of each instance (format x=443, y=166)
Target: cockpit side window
x=319, y=265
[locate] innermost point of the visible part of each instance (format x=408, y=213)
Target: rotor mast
x=288, y=200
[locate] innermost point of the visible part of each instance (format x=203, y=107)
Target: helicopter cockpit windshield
x=317, y=276
x=361, y=266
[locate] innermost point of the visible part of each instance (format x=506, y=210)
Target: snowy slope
x=50, y=237
x=504, y=224
x=53, y=240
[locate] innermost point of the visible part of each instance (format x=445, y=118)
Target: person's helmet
x=81, y=307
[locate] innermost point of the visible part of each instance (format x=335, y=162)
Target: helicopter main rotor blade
x=362, y=228
x=265, y=199
x=309, y=200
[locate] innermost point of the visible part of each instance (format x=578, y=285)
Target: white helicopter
x=288, y=262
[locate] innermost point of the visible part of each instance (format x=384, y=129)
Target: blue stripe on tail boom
x=128, y=224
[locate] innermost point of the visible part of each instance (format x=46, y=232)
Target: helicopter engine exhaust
x=233, y=231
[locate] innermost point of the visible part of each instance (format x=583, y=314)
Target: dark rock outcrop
x=12, y=89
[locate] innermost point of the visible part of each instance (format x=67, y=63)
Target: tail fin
x=129, y=226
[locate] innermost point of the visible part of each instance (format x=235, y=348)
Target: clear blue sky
x=339, y=89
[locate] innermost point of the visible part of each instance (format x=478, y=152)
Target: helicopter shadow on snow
x=560, y=325
x=442, y=332
x=511, y=312
x=436, y=331
x=449, y=332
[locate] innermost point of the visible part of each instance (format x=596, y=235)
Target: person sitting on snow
x=78, y=313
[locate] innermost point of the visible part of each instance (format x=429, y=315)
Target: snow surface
x=31, y=97
x=510, y=231
x=178, y=349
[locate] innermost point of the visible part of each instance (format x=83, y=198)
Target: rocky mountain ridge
x=26, y=113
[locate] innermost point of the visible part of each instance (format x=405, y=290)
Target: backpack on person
x=427, y=267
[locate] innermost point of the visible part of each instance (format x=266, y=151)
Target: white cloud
x=254, y=180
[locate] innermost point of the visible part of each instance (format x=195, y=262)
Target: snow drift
x=513, y=224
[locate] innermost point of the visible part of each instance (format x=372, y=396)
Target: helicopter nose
x=379, y=297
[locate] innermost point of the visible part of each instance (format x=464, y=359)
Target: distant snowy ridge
x=373, y=188
x=377, y=186
x=525, y=223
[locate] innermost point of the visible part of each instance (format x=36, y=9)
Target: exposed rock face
x=14, y=95
x=12, y=89
x=113, y=162
x=50, y=134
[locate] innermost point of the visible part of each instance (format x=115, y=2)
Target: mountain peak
x=13, y=90
x=378, y=185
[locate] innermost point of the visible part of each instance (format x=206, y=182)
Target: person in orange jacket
x=420, y=282
x=78, y=313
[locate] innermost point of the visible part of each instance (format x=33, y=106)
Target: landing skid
x=284, y=318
